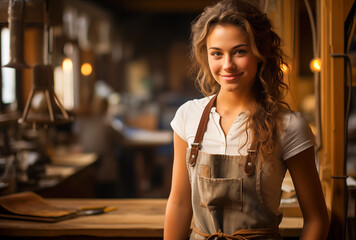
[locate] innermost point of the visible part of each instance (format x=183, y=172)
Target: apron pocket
x=220, y=192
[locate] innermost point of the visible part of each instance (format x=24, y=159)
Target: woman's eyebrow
x=237, y=46
x=241, y=45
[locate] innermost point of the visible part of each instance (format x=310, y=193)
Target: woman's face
x=231, y=60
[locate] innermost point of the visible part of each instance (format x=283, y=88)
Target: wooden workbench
x=133, y=219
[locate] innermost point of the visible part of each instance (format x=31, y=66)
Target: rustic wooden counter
x=132, y=219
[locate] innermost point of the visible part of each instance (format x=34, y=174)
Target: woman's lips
x=231, y=77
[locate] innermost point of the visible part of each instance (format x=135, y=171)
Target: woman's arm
x=310, y=196
x=179, y=209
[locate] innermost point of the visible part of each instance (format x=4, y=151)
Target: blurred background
x=119, y=71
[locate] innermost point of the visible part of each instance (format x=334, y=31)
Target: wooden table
x=133, y=219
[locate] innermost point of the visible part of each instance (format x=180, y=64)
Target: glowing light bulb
x=315, y=65
x=284, y=68
x=67, y=64
x=86, y=69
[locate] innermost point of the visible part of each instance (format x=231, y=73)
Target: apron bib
x=226, y=194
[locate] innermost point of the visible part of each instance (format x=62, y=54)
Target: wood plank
x=137, y=218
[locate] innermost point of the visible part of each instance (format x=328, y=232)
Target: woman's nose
x=228, y=63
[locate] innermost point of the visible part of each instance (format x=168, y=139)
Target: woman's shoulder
x=195, y=105
x=293, y=120
x=296, y=134
x=187, y=117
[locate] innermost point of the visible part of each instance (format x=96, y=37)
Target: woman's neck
x=229, y=106
x=233, y=103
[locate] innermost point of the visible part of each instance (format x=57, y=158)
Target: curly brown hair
x=269, y=87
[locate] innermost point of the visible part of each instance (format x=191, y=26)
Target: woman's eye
x=240, y=51
x=216, y=54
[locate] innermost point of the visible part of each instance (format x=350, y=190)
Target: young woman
x=233, y=147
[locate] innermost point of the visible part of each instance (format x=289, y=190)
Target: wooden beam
x=332, y=112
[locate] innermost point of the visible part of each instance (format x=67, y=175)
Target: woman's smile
x=231, y=77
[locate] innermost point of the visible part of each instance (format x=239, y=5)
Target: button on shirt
x=294, y=137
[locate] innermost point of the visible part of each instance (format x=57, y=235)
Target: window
x=8, y=75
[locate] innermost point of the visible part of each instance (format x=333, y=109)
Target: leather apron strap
x=200, y=132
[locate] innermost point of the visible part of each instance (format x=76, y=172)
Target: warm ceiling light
x=315, y=65
x=67, y=64
x=86, y=69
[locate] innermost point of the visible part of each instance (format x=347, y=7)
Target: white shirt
x=294, y=138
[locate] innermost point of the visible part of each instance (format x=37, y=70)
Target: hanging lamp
x=16, y=27
x=47, y=110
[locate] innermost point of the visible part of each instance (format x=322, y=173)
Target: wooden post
x=331, y=155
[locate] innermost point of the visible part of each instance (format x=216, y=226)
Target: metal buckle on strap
x=193, y=153
x=195, y=145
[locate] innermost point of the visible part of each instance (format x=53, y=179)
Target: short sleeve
x=297, y=135
x=178, y=122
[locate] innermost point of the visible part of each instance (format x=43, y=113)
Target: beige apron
x=226, y=194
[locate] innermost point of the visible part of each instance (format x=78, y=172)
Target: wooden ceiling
x=155, y=5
